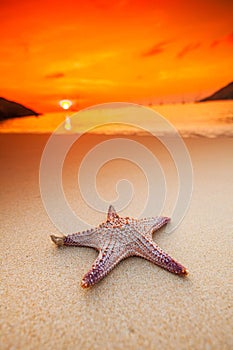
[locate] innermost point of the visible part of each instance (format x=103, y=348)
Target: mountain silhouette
x=225, y=93
x=11, y=109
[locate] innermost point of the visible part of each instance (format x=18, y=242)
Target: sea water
x=209, y=119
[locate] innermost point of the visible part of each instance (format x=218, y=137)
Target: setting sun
x=65, y=104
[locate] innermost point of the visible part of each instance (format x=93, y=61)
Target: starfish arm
x=150, y=225
x=87, y=238
x=105, y=262
x=149, y=250
x=112, y=214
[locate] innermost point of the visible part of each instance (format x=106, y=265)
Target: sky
x=96, y=51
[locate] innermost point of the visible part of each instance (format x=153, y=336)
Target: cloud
x=187, y=49
x=156, y=49
x=226, y=39
x=215, y=43
x=57, y=75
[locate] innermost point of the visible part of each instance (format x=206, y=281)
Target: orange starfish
x=117, y=239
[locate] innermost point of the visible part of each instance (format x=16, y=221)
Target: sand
x=138, y=305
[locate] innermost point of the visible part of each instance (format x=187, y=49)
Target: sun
x=65, y=104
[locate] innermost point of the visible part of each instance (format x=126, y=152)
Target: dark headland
x=11, y=109
x=225, y=93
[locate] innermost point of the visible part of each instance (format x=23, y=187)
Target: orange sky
x=127, y=50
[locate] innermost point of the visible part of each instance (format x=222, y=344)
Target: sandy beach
x=138, y=305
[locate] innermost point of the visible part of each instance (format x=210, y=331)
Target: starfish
x=118, y=238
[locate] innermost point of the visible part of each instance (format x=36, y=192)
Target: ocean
x=209, y=119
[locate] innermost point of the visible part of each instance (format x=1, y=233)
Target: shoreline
x=120, y=134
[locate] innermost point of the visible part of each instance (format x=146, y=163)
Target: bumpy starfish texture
x=117, y=239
